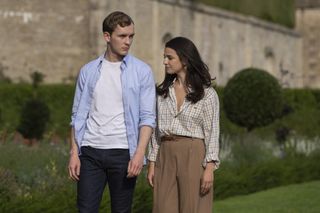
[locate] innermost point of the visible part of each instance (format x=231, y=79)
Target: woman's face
x=172, y=62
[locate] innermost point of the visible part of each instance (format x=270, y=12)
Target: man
x=112, y=120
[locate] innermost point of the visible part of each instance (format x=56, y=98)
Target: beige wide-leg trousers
x=178, y=172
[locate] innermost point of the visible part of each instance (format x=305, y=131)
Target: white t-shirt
x=105, y=127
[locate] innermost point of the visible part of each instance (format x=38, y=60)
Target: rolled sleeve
x=147, y=101
x=211, y=127
x=77, y=96
x=153, y=147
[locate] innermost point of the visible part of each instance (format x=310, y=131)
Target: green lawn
x=304, y=198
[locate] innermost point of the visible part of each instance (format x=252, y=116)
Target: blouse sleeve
x=153, y=147
x=211, y=126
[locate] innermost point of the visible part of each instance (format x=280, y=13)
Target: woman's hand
x=207, y=178
x=150, y=175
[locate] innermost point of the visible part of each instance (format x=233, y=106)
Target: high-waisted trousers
x=177, y=178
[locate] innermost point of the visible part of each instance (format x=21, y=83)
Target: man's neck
x=112, y=57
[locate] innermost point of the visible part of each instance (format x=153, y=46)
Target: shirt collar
x=125, y=60
x=100, y=59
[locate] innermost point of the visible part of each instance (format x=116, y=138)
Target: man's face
x=119, y=41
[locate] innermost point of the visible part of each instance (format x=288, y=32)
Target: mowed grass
x=298, y=198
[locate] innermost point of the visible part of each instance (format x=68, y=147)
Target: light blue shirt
x=138, y=91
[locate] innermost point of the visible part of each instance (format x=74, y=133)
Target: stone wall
x=307, y=3
x=308, y=24
x=43, y=35
x=227, y=41
x=57, y=37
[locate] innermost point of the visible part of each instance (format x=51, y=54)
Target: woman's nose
x=165, y=61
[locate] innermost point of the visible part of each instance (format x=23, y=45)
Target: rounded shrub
x=252, y=98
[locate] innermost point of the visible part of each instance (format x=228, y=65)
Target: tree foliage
x=252, y=98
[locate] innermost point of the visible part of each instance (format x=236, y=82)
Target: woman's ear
x=184, y=64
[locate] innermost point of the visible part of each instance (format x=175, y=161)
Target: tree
x=252, y=98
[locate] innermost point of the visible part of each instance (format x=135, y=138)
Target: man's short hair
x=114, y=19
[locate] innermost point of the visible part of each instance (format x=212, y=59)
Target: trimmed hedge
x=304, y=120
x=58, y=98
x=316, y=94
x=12, y=98
x=240, y=180
x=305, y=116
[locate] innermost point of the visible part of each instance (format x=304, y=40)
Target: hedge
x=304, y=120
x=58, y=98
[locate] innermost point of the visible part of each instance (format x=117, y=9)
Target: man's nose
x=127, y=40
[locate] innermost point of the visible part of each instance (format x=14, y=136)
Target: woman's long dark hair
x=197, y=75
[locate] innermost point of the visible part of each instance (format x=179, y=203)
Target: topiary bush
x=34, y=117
x=252, y=98
x=35, y=113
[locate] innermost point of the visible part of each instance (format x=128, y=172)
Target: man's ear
x=107, y=36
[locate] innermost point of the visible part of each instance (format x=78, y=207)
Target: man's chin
x=124, y=52
x=121, y=54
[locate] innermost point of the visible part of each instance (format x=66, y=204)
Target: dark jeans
x=98, y=168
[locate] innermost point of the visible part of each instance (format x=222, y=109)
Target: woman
x=184, y=147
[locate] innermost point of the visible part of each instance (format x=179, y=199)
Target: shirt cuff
x=211, y=158
x=152, y=157
x=148, y=122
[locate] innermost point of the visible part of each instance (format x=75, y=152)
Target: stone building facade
x=308, y=25
x=42, y=35
x=58, y=37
